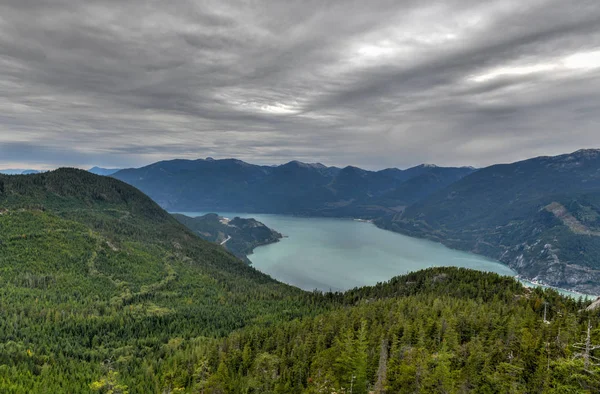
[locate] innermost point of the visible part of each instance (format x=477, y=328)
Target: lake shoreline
x=519, y=276
x=479, y=262
x=533, y=283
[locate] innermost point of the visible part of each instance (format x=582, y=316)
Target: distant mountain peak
x=355, y=169
x=212, y=160
x=19, y=172
x=587, y=153
x=230, y=160
x=103, y=171
x=580, y=158
x=306, y=165
x=579, y=154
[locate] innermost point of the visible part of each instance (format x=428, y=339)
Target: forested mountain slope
x=238, y=235
x=443, y=330
x=294, y=188
x=103, y=291
x=540, y=216
x=93, y=270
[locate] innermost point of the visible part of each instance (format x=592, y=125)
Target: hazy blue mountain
x=418, y=183
x=540, y=216
x=19, y=172
x=423, y=181
x=103, y=171
x=405, y=175
x=11, y=172
x=199, y=185
x=295, y=187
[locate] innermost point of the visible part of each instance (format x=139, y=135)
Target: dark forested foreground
x=103, y=291
x=443, y=338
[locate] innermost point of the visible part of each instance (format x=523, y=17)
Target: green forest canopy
x=103, y=291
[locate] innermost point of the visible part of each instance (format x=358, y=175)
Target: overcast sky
x=368, y=83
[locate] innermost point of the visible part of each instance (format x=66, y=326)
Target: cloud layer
x=368, y=83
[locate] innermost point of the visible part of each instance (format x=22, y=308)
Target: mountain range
x=19, y=172
x=540, y=216
x=293, y=188
x=93, y=170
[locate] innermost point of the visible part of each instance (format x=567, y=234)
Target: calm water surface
x=339, y=254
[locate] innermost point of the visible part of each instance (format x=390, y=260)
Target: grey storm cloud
x=368, y=83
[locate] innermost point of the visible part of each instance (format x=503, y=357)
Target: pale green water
x=340, y=254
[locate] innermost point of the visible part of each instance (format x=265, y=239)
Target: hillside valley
x=104, y=291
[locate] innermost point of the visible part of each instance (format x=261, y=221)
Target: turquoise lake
x=340, y=254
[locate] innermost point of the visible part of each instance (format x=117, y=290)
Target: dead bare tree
x=382, y=371
x=586, y=349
